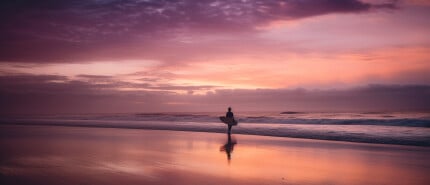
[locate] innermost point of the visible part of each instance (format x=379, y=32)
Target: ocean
x=401, y=128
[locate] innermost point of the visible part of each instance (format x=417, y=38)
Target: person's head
x=229, y=109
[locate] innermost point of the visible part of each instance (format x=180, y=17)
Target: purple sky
x=59, y=56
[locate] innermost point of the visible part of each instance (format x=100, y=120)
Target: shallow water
x=77, y=155
x=383, y=134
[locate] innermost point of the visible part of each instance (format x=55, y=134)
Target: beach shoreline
x=83, y=155
x=374, y=134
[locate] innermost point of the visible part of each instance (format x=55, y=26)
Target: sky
x=95, y=56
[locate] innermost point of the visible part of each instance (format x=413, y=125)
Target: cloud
x=25, y=94
x=95, y=76
x=363, y=98
x=59, y=31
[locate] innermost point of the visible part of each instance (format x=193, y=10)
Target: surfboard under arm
x=228, y=121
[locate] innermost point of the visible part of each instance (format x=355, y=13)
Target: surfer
x=229, y=120
x=230, y=115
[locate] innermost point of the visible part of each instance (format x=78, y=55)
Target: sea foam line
x=352, y=133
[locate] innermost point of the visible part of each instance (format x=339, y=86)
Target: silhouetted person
x=229, y=114
x=228, y=147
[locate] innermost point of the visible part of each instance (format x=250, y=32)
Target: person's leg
x=229, y=129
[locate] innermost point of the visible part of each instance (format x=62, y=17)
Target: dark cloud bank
x=30, y=94
x=64, y=30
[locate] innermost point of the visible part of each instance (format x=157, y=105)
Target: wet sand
x=78, y=155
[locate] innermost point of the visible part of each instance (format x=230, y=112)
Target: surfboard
x=228, y=121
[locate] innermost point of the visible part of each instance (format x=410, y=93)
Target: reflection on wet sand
x=229, y=146
x=70, y=155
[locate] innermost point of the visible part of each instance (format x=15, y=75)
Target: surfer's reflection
x=228, y=147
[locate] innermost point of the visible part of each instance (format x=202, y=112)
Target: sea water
x=405, y=128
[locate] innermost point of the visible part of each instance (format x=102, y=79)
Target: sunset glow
x=186, y=52
x=244, y=92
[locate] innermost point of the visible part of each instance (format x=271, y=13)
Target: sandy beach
x=77, y=155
